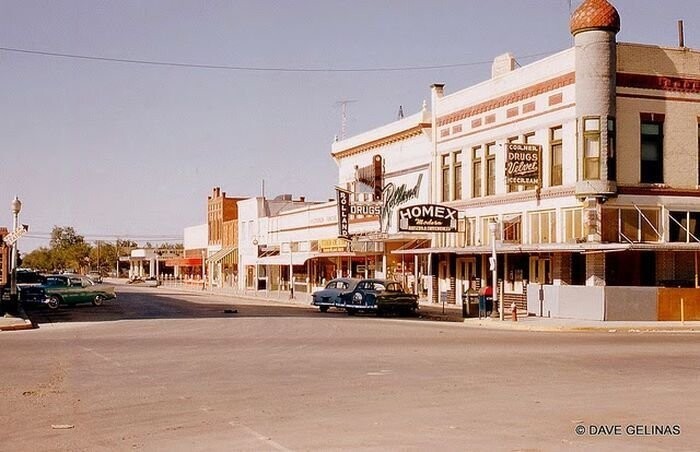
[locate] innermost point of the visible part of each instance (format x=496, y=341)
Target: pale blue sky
x=133, y=150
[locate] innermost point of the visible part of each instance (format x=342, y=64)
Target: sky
x=251, y=91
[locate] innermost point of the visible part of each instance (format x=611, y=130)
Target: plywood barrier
x=672, y=304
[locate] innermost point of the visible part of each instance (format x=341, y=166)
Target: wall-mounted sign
x=523, y=164
x=343, y=199
x=392, y=197
x=428, y=218
x=333, y=245
x=366, y=208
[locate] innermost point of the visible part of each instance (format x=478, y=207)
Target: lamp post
x=493, y=227
x=16, y=206
x=291, y=270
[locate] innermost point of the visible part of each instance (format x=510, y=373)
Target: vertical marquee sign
x=343, y=198
x=523, y=164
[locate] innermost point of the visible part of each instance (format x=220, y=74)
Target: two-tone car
x=330, y=295
x=380, y=296
x=60, y=290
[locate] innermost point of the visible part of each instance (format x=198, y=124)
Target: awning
x=285, y=259
x=226, y=255
x=414, y=244
x=184, y=262
x=300, y=258
x=586, y=248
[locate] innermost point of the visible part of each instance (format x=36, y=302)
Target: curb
x=21, y=324
x=490, y=325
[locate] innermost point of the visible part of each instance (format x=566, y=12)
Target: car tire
x=323, y=308
x=54, y=302
x=351, y=312
x=99, y=299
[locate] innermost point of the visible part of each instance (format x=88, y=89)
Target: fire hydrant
x=513, y=312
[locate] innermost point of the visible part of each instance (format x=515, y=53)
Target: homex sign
x=428, y=218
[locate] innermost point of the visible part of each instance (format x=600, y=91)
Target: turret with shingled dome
x=595, y=15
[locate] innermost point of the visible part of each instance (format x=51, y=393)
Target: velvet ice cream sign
x=523, y=164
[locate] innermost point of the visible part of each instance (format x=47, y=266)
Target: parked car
x=95, y=276
x=331, y=294
x=26, y=277
x=59, y=290
x=379, y=296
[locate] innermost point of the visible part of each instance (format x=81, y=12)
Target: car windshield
x=338, y=285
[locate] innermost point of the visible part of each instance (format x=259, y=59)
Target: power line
x=253, y=68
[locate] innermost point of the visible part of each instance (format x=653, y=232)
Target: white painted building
x=601, y=142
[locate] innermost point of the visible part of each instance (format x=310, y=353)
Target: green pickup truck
x=58, y=290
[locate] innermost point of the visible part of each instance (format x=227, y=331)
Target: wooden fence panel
x=668, y=305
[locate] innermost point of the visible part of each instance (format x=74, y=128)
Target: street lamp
x=16, y=207
x=493, y=227
x=291, y=270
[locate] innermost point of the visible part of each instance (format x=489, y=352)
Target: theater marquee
x=428, y=218
x=523, y=164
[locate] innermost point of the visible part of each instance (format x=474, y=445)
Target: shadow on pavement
x=150, y=303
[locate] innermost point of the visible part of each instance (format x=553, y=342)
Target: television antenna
x=344, y=116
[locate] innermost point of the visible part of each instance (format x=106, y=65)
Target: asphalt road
x=167, y=370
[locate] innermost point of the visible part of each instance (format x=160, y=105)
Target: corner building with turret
x=579, y=172
x=609, y=213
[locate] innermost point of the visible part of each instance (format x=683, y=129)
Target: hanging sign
x=13, y=236
x=343, y=199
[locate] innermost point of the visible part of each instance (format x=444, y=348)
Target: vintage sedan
x=380, y=296
x=330, y=296
x=59, y=290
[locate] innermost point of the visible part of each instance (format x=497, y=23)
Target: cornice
x=508, y=99
x=393, y=138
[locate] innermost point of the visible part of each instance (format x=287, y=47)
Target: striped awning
x=226, y=255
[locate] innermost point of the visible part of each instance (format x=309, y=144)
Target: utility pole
x=116, y=249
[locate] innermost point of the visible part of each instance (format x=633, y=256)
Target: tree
x=69, y=249
x=39, y=259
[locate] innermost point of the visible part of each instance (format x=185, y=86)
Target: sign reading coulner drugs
x=428, y=218
x=523, y=164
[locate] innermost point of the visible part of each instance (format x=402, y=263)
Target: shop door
x=540, y=270
x=443, y=280
x=466, y=272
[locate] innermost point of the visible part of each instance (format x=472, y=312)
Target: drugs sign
x=523, y=164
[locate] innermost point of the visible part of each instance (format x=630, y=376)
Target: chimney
x=681, y=35
x=438, y=89
x=502, y=64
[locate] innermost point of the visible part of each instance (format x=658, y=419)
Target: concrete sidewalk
x=15, y=322
x=452, y=313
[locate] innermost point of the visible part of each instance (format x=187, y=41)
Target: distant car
x=380, y=296
x=59, y=290
x=331, y=294
x=95, y=276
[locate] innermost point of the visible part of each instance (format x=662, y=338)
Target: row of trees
x=68, y=250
